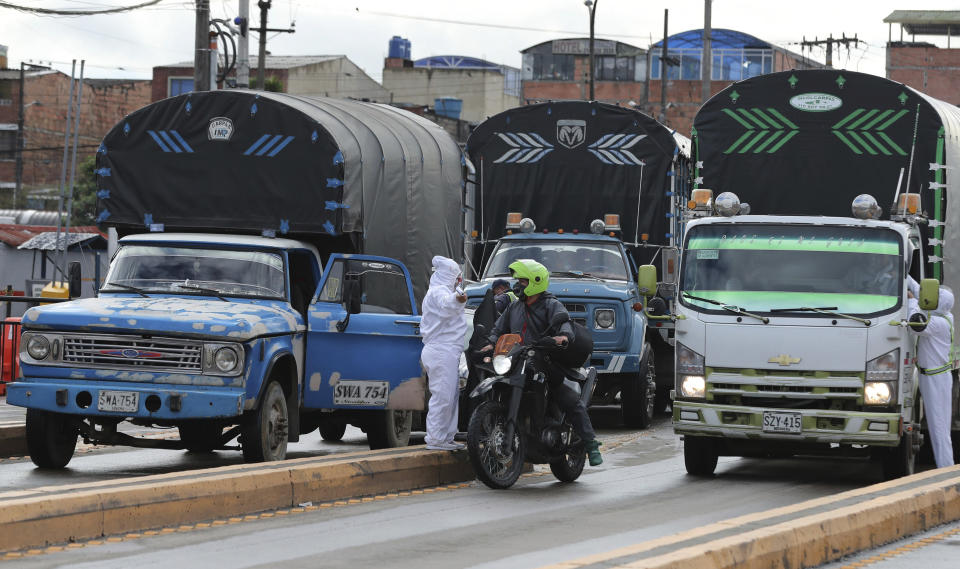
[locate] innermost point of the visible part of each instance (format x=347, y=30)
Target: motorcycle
x=517, y=420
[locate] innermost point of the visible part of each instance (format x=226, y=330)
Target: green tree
x=85, y=194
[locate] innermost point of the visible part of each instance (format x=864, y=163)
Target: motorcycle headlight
x=226, y=359
x=604, y=318
x=502, y=364
x=38, y=347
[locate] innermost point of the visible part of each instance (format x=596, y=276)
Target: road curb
x=13, y=439
x=801, y=535
x=55, y=514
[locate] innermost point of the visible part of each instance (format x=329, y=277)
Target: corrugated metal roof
x=276, y=61
x=16, y=235
x=48, y=241
x=926, y=22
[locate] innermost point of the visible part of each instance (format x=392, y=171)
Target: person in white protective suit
x=444, y=330
x=933, y=358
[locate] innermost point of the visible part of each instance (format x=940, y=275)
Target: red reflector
x=659, y=324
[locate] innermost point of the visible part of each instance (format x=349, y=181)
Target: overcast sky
x=130, y=44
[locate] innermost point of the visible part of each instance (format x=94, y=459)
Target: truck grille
x=574, y=307
x=118, y=352
x=784, y=389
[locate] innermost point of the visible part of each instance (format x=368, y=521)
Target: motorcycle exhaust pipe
x=587, y=392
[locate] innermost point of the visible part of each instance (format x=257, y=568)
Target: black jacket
x=536, y=316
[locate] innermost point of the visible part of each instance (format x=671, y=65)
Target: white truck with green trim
x=791, y=324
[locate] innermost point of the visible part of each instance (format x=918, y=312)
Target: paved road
x=641, y=492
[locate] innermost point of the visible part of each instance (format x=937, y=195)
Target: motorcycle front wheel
x=569, y=468
x=497, y=465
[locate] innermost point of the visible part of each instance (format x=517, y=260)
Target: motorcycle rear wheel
x=492, y=466
x=569, y=468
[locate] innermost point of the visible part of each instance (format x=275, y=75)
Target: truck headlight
x=877, y=393
x=693, y=386
x=604, y=318
x=38, y=346
x=502, y=364
x=226, y=359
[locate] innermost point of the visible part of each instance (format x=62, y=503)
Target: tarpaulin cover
x=808, y=142
x=299, y=166
x=566, y=163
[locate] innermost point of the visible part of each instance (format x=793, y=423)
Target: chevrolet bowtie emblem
x=784, y=360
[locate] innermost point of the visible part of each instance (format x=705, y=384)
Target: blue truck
x=589, y=190
x=266, y=283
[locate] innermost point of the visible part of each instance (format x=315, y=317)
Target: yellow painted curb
x=42, y=516
x=806, y=541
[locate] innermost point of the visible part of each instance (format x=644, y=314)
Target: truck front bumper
x=818, y=425
x=153, y=401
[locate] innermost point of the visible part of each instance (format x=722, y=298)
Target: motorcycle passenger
x=503, y=296
x=530, y=317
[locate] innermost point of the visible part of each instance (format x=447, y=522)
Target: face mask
x=518, y=289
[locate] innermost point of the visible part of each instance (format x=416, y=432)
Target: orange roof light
x=909, y=203
x=702, y=197
x=559, y=231
x=513, y=219
x=474, y=233
x=611, y=221
x=644, y=237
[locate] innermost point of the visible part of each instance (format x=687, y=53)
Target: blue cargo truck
x=266, y=284
x=589, y=190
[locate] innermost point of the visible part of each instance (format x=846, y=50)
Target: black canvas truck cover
x=808, y=142
x=566, y=163
x=379, y=179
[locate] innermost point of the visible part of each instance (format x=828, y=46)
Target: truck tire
x=700, y=455
x=332, y=430
x=638, y=394
x=389, y=428
x=264, y=433
x=51, y=437
x=900, y=460
x=200, y=436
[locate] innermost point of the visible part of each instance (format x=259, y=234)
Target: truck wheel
x=900, y=460
x=264, y=433
x=638, y=394
x=389, y=428
x=699, y=455
x=200, y=436
x=332, y=430
x=51, y=437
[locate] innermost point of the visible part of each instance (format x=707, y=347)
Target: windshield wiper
x=823, y=310
x=130, y=288
x=727, y=307
x=577, y=274
x=210, y=291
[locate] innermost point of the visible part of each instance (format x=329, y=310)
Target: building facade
x=319, y=75
x=923, y=65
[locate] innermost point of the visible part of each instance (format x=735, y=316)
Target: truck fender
x=638, y=333
x=288, y=381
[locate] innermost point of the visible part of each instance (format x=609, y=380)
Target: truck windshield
x=759, y=268
x=564, y=258
x=154, y=268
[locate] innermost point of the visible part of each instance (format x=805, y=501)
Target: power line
x=52, y=12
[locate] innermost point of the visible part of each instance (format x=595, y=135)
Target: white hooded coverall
x=936, y=382
x=444, y=330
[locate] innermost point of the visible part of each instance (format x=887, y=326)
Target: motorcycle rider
x=530, y=317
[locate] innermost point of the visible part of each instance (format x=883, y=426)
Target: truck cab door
x=367, y=357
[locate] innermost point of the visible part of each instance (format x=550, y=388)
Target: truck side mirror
x=351, y=294
x=647, y=280
x=670, y=263
x=73, y=279
x=929, y=294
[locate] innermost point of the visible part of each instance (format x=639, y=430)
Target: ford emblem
x=130, y=353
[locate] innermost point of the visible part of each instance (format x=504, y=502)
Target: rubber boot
x=593, y=452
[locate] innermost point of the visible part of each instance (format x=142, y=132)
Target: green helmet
x=538, y=277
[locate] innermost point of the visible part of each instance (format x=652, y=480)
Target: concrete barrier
x=13, y=439
x=807, y=534
x=55, y=514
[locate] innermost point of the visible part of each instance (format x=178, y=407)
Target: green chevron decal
x=766, y=130
x=862, y=131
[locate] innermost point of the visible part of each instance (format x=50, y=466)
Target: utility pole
x=706, y=64
x=844, y=40
x=262, y=57
x=201, y=59
x=18, y=186
x=243, y=45
x=592, y=6
x=663, y=69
